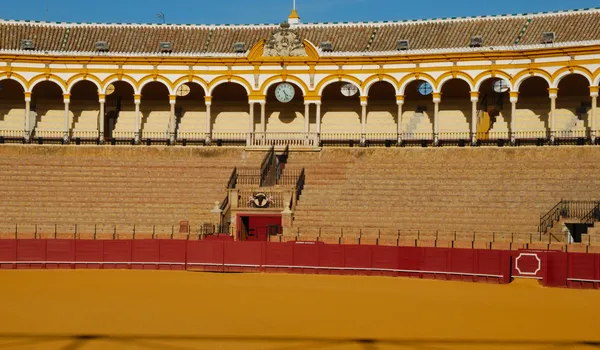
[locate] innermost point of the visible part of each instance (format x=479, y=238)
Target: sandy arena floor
x=87, y=310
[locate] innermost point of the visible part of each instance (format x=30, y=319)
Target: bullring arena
x=428, y=184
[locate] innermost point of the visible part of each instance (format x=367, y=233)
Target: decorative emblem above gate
x=260, y=200
x=284, y=42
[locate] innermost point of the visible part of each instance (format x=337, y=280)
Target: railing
x=566, y=209
x=283, y=139
x=289, y=177
x=85, y=135
x=273, y=199
x=299, y=186
x=96, y=231
x=12, y=134
x=229, y=138
x=268, y=169
x=123, y=135
x=571, y=134
x=385, y=235
x=592, y=216
x=454, y=136
x=154, y=135
x=49, y=134
x=248, y=176
x=233, y=179
x=341, y=136
x=416, y=136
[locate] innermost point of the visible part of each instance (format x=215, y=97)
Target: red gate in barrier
x=552, y=268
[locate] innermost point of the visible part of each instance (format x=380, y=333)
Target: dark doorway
x=576, y=230
x=258, y=227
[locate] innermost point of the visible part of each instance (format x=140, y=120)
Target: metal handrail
x=567, y=209
x=592, y=216
x=232, y=179
x=267, y=169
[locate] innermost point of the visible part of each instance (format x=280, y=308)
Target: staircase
x=567, y=211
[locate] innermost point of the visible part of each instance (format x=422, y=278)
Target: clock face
x=349, y=90
x=284, y=92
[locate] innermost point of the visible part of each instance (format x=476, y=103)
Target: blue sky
x=268, y=11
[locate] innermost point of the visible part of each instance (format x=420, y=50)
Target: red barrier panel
x=172, y=251
x=409, y=260
x=556, y=269
x=146, y=253
x=117, y=254
x=489, y=262
x=462, y=261
x=306, y=254
x=385, y=260
x=243, y=256
x=582, y=267
x=330, y=256
x=88, y=252
x=358, y=256
x=31, y=250
x=205, y=255
x=60, y=251
x=279, y=257
x=8, y=254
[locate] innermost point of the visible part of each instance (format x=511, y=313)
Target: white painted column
x=318, y=104
x=208, y=129
x=318, y=123
x=101, y=100
x=474, y=100
x=593, y=129
x=172, y=102
x=400, y=103
x=27, y=124
x=437, y=98
x=363, y=118
x=67, y=100
x=306, y=122
x=514, y=97
x=250, y=125
x=137, y=99
x=553, y=92
x=263, y=112
x=306, y=117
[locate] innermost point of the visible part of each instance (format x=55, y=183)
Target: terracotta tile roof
x=433, y=35
x=567, y=27
x=137, y=38
x=45, y=38
x=570, y=26
x=223, y=38
x=342, y=38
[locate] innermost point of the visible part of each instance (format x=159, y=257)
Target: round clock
x=284, y=92
x=349, y=90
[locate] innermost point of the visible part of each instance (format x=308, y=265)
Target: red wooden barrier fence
x=552, y=268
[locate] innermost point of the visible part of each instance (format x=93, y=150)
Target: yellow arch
x=442, y=79
x=481, y=77
x=563, y=72
x=407, y=79
x=47, y=77
x=338, y=77
x=278, y=78
x=152, y=78
x=193, y=79
x=227, y=79
x=83, y=77
x=119, y=77
x=16, y=77
x=596, y=77
x=520, y=77
x=370, y=81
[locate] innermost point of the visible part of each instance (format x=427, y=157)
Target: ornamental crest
x=284, y=42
